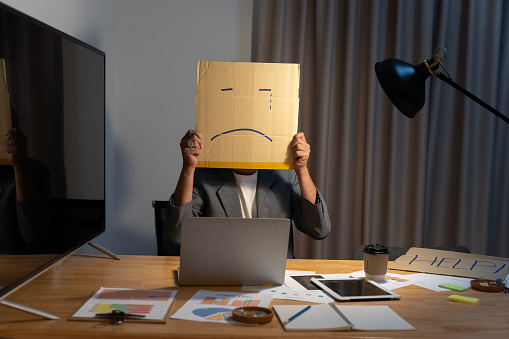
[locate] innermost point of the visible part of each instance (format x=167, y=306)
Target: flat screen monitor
x=52, y=135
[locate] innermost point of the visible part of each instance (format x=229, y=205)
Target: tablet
x=354, y=289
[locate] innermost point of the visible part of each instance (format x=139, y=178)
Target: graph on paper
x=126, y=308
x=230, y=302
x=125, y=294
x=217, y=306
x=153, y=304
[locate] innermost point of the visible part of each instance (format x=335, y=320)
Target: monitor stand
x=104, y=250
x=28, y=309
x=48, y=315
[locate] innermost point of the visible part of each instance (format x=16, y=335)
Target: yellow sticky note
x=461, y=299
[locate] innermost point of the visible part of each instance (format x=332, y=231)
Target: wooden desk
x=62, y=290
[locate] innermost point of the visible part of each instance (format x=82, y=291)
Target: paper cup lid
x=375, y=249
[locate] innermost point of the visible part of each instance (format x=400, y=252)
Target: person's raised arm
x=301, y=151
x=16, y=146
x=190, y=146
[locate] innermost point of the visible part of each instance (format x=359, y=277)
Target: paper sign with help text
x=247, y=114
x=452, y=263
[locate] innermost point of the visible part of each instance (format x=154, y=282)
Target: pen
x=127, y=316
x=117, y=317
x=296, y=315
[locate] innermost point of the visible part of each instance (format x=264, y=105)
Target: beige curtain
x=439, y=179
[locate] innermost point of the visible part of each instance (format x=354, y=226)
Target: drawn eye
x=226, y=89
x=267, y=90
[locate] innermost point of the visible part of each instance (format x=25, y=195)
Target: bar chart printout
x=153, y=304
x=217, y=306
x=229, y=301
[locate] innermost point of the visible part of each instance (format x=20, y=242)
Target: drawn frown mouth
x=240, y=129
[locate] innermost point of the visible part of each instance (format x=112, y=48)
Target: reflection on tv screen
x=52, y=103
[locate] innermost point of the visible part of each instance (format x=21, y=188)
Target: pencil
x=296, y=314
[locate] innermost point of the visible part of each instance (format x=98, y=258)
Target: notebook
x=233, y=251
x=330, y=317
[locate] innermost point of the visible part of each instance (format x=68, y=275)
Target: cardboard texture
x=247, y=114
x=5, y=114
x=452, y=263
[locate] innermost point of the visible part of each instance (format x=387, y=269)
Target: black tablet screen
x=354, y=287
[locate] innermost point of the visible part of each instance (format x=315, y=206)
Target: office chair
x=164, y=246
x=396, y=252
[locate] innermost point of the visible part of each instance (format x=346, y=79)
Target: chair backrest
x=396, y=252
x=164, y=246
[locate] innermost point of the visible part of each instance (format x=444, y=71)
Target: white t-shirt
x=246, y=185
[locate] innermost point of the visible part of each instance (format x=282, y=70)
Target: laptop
x=233, y=251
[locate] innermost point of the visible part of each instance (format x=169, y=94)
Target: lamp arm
x=471, y=96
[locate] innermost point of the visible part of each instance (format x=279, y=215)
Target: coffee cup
x=376, y=258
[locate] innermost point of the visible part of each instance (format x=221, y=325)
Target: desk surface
x=62, y=289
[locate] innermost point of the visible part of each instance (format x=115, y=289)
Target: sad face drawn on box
x=247, y=114
x=247, y=129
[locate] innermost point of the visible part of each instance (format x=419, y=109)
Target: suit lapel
x=264, y=195
x=228, y=194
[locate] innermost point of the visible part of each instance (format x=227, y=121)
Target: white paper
x=213, y=306
x=374, y=317
x=392, y=280
x=313, y=296
x=153, y=304
x=318, y=317
x=288, y=274
x=431, y=281
x=426, y=280
x=265, y=289
x=298, y=287
x=302, y=282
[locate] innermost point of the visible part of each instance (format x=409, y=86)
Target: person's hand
x=16, y=146
x=301, y=151
x=190, y=146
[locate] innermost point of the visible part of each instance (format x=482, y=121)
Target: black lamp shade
x=403, y=83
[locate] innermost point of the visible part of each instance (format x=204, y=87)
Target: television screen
x=52, y=104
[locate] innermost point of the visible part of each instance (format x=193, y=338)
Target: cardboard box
x=247, y=114
x=5, y=114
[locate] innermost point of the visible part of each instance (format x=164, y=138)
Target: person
x=24, y=192
x=216, y=192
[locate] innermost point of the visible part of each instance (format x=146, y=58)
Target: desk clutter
x=253, y=305
x=488, y=285
x=64, y=290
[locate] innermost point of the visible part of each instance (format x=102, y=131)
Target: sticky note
x=461, y=299
x=454, y=287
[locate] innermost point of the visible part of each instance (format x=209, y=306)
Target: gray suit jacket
x=215, y=194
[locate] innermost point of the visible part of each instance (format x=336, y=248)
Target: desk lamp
x=403, y=83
